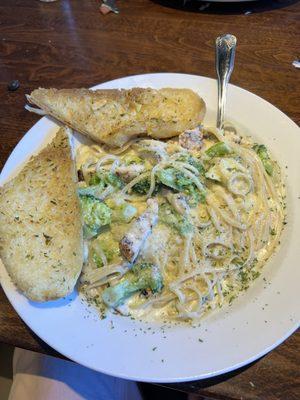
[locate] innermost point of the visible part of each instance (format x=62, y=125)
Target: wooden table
x=70, y=44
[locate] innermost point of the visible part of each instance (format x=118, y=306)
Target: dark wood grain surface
x=70, y=44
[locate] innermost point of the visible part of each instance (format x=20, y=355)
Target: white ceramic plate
x=257, y=322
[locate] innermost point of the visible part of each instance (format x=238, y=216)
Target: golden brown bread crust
x=40, y=224
x=115, y=116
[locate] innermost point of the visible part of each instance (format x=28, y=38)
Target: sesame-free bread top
x=40, y=224
x=113, y=116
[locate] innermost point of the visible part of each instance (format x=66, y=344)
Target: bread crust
x=41, y=241
x=113, y=116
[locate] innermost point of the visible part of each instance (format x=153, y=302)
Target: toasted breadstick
x=40, y=224
x=114, y=117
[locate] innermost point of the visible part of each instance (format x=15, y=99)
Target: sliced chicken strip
x=140, y=229
x=191, y=139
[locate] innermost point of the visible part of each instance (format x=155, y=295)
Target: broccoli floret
x=105, y=179
x=188, y=158
x=95, y=215
x=95, y=180
x=219, y=149
x=170, y=217
x=195, y=196
x=169, y=177
x=263, y=154
x=91, y=191
x=143, y=186
x=142, y=276
x=113, y=180
x=178, y=181
x=108, y=245
x=98, y=183
x=182, y=181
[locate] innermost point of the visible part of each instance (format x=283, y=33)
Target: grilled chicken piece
x=191, y=139
x=140, y=229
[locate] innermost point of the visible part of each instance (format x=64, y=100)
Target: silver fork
x=225, y=52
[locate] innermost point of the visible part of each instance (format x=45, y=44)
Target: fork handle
x=225, y=52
